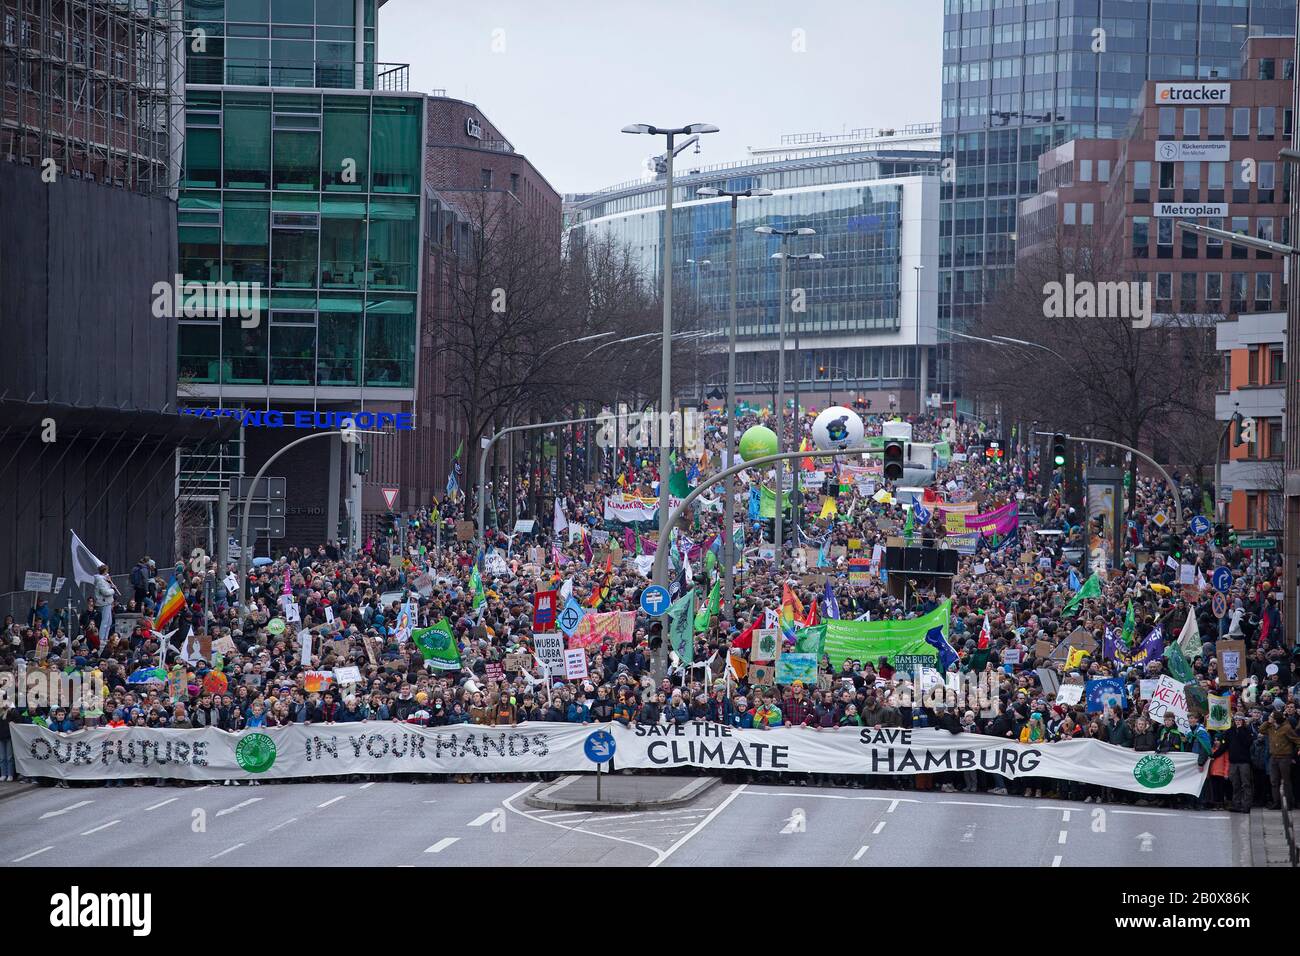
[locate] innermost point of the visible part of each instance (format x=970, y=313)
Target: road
x=404, y=824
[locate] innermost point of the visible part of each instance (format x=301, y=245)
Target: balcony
x=232, y=71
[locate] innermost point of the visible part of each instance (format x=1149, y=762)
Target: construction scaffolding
x=97, y=87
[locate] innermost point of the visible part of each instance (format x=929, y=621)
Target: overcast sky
x=570, y=73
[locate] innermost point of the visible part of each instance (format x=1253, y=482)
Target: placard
x=550, y=651
x=1231, y=655
x=347, y=675
x=517, y=663
x=575, y=663
x=762, y=675
x=38, y=581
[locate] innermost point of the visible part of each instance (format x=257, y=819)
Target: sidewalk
x=620, y=791
x=1268, y=846
x=10, y=790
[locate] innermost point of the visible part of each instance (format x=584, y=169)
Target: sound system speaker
x=938, y=561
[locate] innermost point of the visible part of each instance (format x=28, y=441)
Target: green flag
x=1179, y=669
x=1130, y=626
x=810, y=640
x=907, y=524
x=1091, y=589
x=868, y=641
x=712, y=607
x=677, y=486
x=767, y=502
x=681, y=614
x=438, y=645
x=476, y=586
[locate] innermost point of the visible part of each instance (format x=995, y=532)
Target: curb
x=550, y=798
x=17, y=790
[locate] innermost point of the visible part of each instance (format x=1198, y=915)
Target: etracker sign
x=327, y=750
x=1168, y=94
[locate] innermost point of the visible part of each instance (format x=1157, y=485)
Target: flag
x=830, y=603
x=1179, y=669
x=561, y=521
x=947, y=656
x=767, y=502
x=755, y=504
x=476, y=588
x=713, y=607
x=454, y=471
x=681, y=615
x=745, y=640
x=811, y=619
x=1073, y=581
x=586, y=547
x=1074, y=658
x=1189, y=639
x=438, y=645
x=1091, y=589
x=1130, y=625
x=791, y=612
x=810, y=640
x=828, y=508
x=172, y=603
x=806, y=464
x=599, y=594
x=986, y=632
x=677, y=486
x=907, y=524
x=922, y=513
x=84, y=564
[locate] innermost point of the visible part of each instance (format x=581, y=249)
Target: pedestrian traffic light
x=362, y=460
x=1174, y=546
x=893, y=459
x=1058, y=450
x=389, y=523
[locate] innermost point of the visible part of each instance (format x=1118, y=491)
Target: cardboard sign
x=518, y=663
x=575, y=663
x=464, y=531
x=347, y=675
x=1011, y=655
x=1069, y=694
x=1232, y=662
x=494, y=670
x=762, y=675
x=1169, y=697
x=550, y=651
x=1043, y=648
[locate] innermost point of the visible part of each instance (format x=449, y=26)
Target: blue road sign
x=655, y=600
x=1222, y=579
x=1200, y=525
x=1219, y=604
x=599, y=746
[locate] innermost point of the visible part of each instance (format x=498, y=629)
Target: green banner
x=868, y=641
x=767, y=502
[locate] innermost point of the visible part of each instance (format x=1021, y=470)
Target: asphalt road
x=403, y=824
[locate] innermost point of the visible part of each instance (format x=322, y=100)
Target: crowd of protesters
x=247, y=675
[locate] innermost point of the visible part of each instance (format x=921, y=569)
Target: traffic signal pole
x=1173, y=488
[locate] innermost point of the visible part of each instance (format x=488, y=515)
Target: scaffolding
x=96, y=86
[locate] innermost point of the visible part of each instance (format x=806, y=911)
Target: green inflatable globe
x=758, y=440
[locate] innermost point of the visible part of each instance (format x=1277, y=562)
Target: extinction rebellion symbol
x=255, y=753
x=1154, y=771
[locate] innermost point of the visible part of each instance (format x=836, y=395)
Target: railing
x=237, y=71
x=867, y=132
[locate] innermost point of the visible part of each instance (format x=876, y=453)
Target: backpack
x=1259, y=752
x=138, y=577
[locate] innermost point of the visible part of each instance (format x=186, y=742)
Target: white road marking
x=163, y=804
x=105, y=826
x=68, y=809
x=284, y=824
x=229, y=849
x=1065, y=816
x=975, y=803
x=441, y=845
x=367, y=786
x=893, y=804
x=482, y=818
x=879, y=826
x=701, y=825
x=1056, y=860
x=239, y=806
x=805, y=795
x=201, y=789
x=322, y=806
x=509, y=805
x=549, y=815
x=1064, y=834
x=30, y=855
x=858, y=855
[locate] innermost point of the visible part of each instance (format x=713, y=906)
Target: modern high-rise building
x=1021, y=77
x=867, y=330
x=303, y=174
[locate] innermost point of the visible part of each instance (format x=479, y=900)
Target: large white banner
x=619, y=508
x=389, y=747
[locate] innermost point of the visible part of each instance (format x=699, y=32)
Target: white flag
x=561, y=520
x=84, y=564
x=185, y=647
x=305, y=637
x=1189, y=638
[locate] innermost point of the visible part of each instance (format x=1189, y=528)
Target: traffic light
x=1058, y=450
x=893, y=459
x=389, y=523
x=1174, y=546
x=362, y=461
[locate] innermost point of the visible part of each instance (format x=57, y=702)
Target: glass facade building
x=1024, y=76
x=867, y=210
x=296, y=179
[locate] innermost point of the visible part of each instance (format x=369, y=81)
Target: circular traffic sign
x=1200, y=525
x=599, y=746
x=655, y=600
x=1219, y=604
x=1222, y=579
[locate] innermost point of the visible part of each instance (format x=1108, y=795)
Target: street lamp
x=666, y=371
x=830, y=381
x=785, y=235
x=729, y=509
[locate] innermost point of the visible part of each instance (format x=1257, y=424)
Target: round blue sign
x=655, y=600
x=599, y=746
x=1222, y=579
x=1200, y=525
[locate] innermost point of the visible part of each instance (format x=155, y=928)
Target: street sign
x=1161, y=519
x=390, y=496
x=1200, y=525
x=1219, y=604
x=1266, y=544
x=599, y=746
x=655, y=600
x=267, y=488
x=1222, y=579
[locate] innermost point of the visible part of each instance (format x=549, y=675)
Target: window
x=1191, y=182
x=1214, y=182
x=1213, y=287
x=1215, y=121
x=1252, y=365
x=1241, y=122
x=1167, y=115
x=1276, y=366
x=1187, y=291
x=1067, y=218
x=1142, y=182
x=1164, y=238
x=1191, y=244
x=247, y=141
x=514, y=183
x=1214, y=244
x=1267, y=181
x=1103, y=170
x=1240, y=226
x=1191, y=123
x=1141, y=236
x=1267, y=122
x=1085, y=214
x=1237, y=293
x=1166, y=171
x=1266, y=72
x=485, y=180
x=395, y=154
x=1263, y=291
x=1164, y=287
x=1085, y=170
x=345, y=144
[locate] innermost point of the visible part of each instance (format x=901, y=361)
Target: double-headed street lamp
x=729, y=505
x=796, y=495
x=666, y=371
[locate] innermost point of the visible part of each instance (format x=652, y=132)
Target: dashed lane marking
x=102, y=826
x=32, y=854
x=441, y=845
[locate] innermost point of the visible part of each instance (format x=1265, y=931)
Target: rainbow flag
x=170, y=605
x=792, y=613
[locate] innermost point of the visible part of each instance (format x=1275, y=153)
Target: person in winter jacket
x=740, y=714
x=1169, y=739
x=1144, y=737
x=602, y=708
x=578, y=712
x=1241, y=774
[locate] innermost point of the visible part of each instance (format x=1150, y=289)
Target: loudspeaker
x=921, y=560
